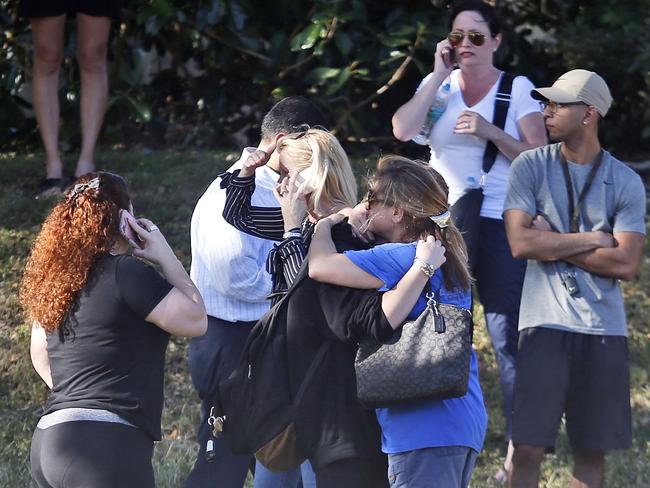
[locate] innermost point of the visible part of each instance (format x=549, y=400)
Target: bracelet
x=295, y=232
x=426, y=268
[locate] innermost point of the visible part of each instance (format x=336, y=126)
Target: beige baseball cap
x=578, y=85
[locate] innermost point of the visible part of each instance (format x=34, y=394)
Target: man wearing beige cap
x=577, y=214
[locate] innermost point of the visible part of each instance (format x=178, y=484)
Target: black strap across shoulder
x=501, y=105
x=575, y=207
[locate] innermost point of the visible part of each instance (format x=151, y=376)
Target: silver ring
x=153, y=227
x=467, y=125
x=283, y=193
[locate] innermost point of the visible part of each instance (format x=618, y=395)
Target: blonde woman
x=313, y=164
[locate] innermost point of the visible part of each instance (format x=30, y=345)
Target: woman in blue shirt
x=429, y=442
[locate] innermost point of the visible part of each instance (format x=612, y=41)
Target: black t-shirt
x=113, y=359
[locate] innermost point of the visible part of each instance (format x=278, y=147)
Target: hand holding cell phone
x=448, y=56
x=154, y=247
x=445, y=57
x=127, y=230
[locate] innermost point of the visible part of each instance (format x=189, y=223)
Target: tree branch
x=397, y=75
x=330, y=33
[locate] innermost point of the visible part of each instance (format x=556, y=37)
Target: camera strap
x=574, y=208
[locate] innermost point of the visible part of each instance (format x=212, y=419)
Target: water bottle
x=436, y=110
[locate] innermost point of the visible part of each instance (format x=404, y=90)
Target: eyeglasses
x=554, y=106
x=302, y=129
x=456, y=37
x=371, y=197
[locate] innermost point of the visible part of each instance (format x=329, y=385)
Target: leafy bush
x=221, y=63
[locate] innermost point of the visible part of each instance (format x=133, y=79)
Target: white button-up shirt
x=228, y=266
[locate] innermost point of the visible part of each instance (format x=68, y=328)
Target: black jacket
x=333, y=425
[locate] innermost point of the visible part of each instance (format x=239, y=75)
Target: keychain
x=438, y=320
x=216, y=423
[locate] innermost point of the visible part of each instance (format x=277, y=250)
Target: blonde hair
x=331, y=182
x=421, y=192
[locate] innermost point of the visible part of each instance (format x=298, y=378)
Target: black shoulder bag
x=426, y=358
x=466, y=212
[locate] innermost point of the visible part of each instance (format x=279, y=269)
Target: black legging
x=92, y=454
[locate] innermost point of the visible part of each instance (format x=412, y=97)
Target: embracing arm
x=328, y=266
x=398, y=302
x=353, y=314
x=38, y=353
x=545, y=245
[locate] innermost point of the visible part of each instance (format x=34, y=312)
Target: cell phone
x=449, y=57
x=126, y=230
x=305, y=178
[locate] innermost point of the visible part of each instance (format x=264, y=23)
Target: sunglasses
x=371, y=197
x=302, y=129
x=554, y=106
x=456, y=37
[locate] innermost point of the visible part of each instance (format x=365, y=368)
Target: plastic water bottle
x=436, y=110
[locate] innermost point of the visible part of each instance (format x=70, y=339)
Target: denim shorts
x=432, y=467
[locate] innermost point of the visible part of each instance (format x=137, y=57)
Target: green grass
x=165, y=186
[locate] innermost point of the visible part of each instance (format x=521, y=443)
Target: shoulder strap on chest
x=501, y=105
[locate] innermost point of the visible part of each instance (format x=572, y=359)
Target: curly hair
x=79, y=229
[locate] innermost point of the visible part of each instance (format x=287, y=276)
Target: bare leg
x=588, y=469
x=47, y=33
x=507, y=464
x=501, y=476
x=525, y=466
x=92, y=46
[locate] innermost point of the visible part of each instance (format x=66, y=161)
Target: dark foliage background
x=202, y=72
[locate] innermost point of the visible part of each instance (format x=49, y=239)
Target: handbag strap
x=436, y=299
x=501, y=105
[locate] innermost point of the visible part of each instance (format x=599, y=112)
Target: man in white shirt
x=228, y=268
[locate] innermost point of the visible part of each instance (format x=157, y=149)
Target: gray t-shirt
x=615, y=202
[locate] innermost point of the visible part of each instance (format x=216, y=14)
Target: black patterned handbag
x=427, y=358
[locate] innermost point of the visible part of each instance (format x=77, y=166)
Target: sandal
x=49, y=187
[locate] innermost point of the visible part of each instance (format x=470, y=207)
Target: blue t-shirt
x=426, y=423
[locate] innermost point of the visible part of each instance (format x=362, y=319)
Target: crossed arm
x=612, y=256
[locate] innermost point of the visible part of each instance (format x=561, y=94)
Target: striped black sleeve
x=264, y=222
x=292, y=254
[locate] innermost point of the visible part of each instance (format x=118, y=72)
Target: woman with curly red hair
x=101, y=323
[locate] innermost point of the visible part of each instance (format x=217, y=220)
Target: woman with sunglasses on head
x=315, y=166
x=430, y=443
x=101, y=323
x=458, y=142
